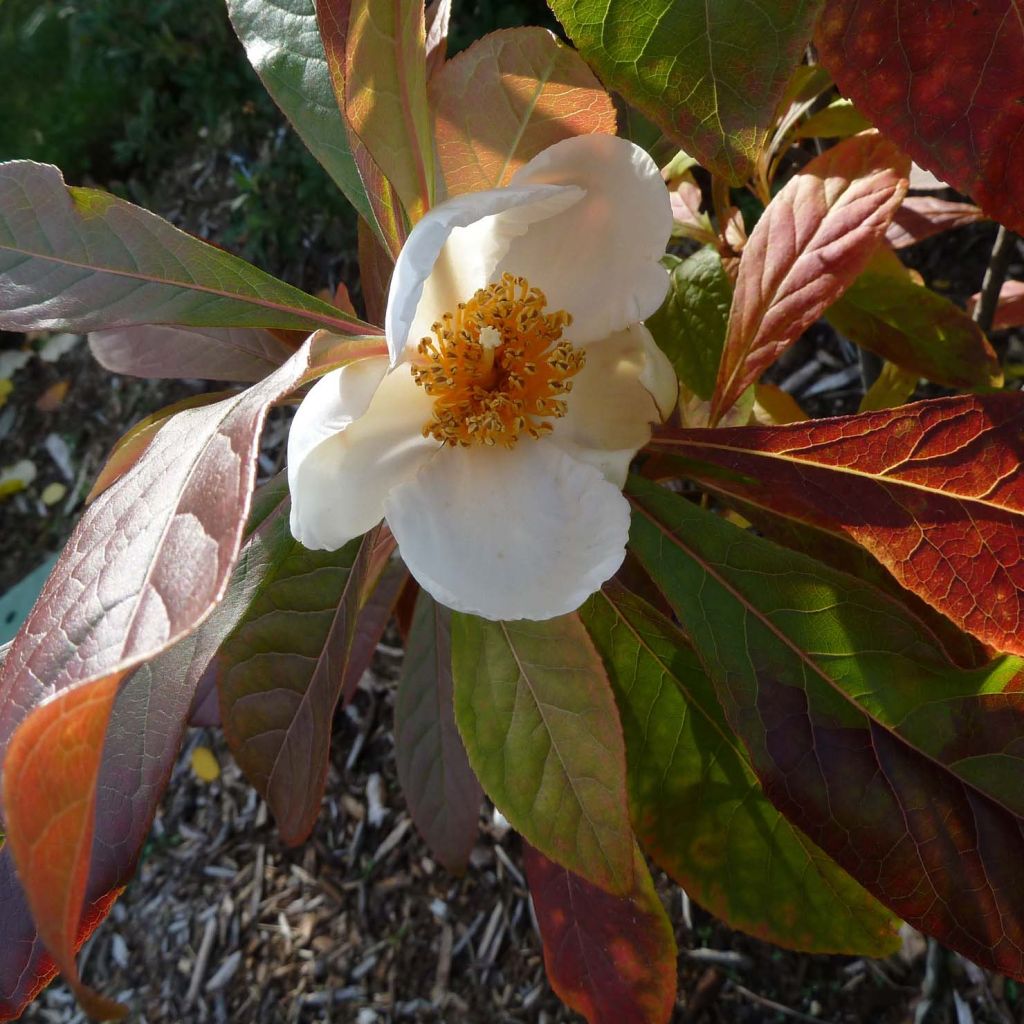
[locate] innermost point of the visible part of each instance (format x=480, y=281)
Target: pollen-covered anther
x=497, y=367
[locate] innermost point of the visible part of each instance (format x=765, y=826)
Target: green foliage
x=127, y=83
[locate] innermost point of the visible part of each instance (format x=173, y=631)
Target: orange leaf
x=814, y=238
x=49, y=784
x=509, y=96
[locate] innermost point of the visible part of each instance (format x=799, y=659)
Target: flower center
x=497, y=367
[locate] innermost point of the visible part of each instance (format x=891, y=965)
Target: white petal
x=523, y=534
x=621, y=390
x=453, y=251
x=599, y=259
x=355, y=436
x=658, y=375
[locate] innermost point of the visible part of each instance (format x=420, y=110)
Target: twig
x=770, y=1004
x=995, y=275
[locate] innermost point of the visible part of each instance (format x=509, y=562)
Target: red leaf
x=1010, y=310
x=146, y=564
x=814, y=238
x=944, y=80
x=921, y=217
x=610, y=958
x=442, y=792
x=933, y=490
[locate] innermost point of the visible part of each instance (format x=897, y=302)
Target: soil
x=359, y=924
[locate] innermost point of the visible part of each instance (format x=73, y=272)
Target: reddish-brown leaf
x=1010, y=309
x=281, y=671
x=146, y=564
x=943, y=79
x=439, y=786
x=215, y=353
x=132, y=446
x=610, y=958
x=509, y=96
x=814, y=238
x=143, y=736
x=921, y=217
x=933, y=490
x=375, y=268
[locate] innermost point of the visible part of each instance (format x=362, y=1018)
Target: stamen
x=497, y=367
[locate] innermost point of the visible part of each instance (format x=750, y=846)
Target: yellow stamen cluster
x=497, y=367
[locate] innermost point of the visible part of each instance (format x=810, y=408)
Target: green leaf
x=889, y=759
x=77, y=259
x=538, y=718
x=917, y=329
x=710, y=74
x=737, y=855
x=280, y=672
x=440, y=788
x=839, y=120
x=282, y=42
x=691, y=324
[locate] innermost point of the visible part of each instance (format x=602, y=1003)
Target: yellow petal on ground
x=6, y=387
x=53, y=493
x=16, y=478
x=205, y=764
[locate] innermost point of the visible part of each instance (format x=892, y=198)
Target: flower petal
x=526, y=533
x=599, y=259
x=355, y=436
x=621, y=390
x=453, y=251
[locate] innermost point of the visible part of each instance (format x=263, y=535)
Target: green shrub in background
x=129, y=94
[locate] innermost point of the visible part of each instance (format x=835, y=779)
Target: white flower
x=521, y=382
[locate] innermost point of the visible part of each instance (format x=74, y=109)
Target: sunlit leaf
x=78, y=259
x=438, y=19
x=921, y=217
x=698, y=808
x=824, y=679
x=1010, y=307
x=385, y=216
x=143, y=736
x=386, y=94
x=439, y=786
x=943, y=80
x=132, y=445
x=509, y=96
x=610, y=958
x=710, y=75
x=885, y=311
x=146, y=564
x=932, y=490
x=538, y=718
x=814, y=238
